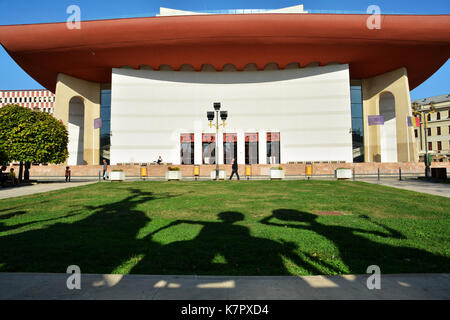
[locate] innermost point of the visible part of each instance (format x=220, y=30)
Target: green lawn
x=226, y=228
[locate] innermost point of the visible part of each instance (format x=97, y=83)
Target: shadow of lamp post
x=223, y=115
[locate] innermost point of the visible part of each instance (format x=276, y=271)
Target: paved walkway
x=435, y=188
x=143, y=287
x=19, y=191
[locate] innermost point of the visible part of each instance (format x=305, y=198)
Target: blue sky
x=39, y=11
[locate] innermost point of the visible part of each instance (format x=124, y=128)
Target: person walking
x=234, y=168
x=105, y=168
x=12, y=177
x=68, y=174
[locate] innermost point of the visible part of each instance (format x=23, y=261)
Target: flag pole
x=407, y=134
x=368, y=140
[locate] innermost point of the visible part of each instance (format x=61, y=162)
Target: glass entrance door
x=251, y=148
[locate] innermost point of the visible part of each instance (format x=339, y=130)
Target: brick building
x=438, y=128
x=43, y=100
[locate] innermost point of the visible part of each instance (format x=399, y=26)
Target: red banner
x=273, y=137
x=187, y=137
x=208, y=137
x=251, y=137
x=230, y=137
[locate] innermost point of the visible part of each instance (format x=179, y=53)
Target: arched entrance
x=388, y=131
x=76, y=132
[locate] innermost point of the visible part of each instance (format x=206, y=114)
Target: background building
x=438, y=128
x=298, y=87
x=43, y=100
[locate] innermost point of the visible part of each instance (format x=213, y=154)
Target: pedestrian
x=234, y=168
x=3, y=176
x=68, y=174
x=105, y=168
x=12, y=176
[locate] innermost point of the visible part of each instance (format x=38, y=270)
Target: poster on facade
x=375, y=120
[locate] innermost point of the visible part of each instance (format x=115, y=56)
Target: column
x=262, y=146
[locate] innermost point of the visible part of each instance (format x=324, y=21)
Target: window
x=415, y=133
x=251, y=148
x=429, y=131
x=229, y=147
x=448, y=129
x=209, y=148
x=430, y=145
x=273, y=148
x=438, y=131
x=438, y=116
x=357, y=123
x=429, y=117
x=439, y=145
x=105, y=130
x=187, y=148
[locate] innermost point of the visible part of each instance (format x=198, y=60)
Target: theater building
x=297, y=86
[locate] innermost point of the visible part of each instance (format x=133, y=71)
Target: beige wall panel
x=395, y=82
x=89, y=92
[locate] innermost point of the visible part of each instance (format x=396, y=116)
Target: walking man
x=68, y=174
x=105, y=167
x=235, y=169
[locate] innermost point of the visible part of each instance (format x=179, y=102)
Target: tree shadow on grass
x=4, y=227
x=12, y=214
x=99, y=243
x=107, y=239
x=357, y=251
x=220, y=248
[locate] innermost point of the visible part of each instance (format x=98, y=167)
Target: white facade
x=164, y=12
x=76, y=132
x=309, y=107
x=388, y=131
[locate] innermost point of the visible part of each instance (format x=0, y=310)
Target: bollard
x=378, y=174
x=308, y=171
x=196, y=172
x=144, y=173
x=354, y=178
x=99, y=179
x=400, y=174
x=248, y=172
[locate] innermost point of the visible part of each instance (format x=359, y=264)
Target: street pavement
x=430, y=187
x=31, y=286
x=25, y=190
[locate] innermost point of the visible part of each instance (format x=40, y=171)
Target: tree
x=3, y=157
x=31, y=136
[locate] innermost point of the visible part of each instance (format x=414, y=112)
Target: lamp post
x=418, y=111
x=223, y=115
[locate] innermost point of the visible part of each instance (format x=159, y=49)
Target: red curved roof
x=419, y=43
